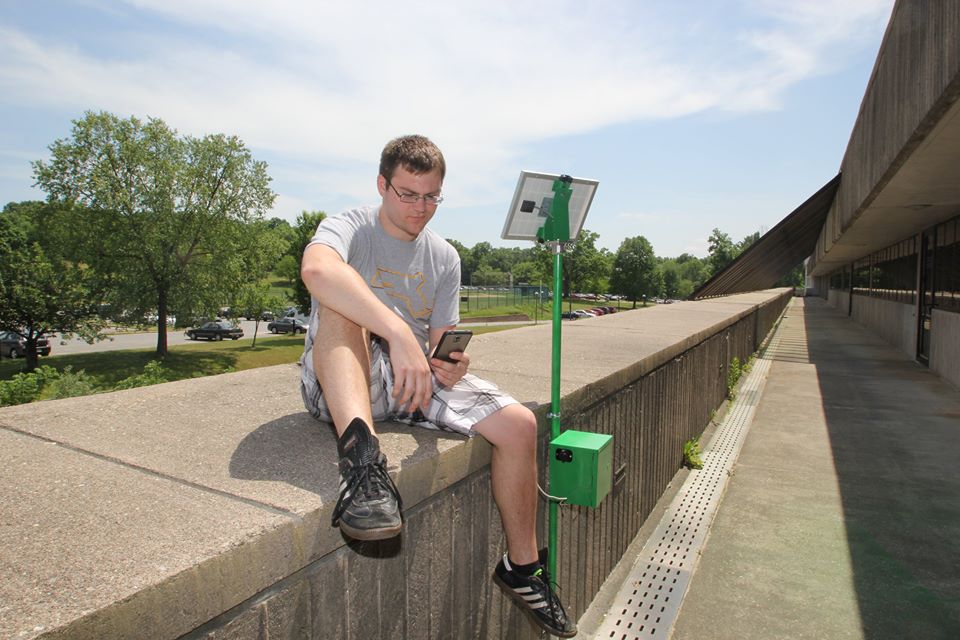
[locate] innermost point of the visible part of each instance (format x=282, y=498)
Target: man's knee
x=336, y=330
x=526, y=425
x=334, y=324
x=514, y=426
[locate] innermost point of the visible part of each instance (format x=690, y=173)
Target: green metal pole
x=555, y=395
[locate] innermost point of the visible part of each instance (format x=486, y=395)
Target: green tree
x=796, y=277
x=693, y=270
x=473, y=261
x=722, y=251
x=40, y=293
x=748, y=240
x=255, y=298
x=305, y=227
x=672, y=281
x=288, y=268
x=166, y=216
x=531, y=272
x=464, y=254
x=283, y=228
x=585, y=267
x=635, y=272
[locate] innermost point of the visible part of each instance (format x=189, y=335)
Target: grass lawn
x=105, y=369
x=479, y=311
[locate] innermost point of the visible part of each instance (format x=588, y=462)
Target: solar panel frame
x=537, y=186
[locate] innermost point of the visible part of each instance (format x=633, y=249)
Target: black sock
x=524, y=569
x=358, y=433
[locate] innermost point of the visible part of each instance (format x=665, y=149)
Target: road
x=148, y=339
x=144, y=340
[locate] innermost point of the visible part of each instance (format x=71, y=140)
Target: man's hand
x=450, y=373
x=412, y=379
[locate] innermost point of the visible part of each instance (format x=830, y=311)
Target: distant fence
x=479, y=298
x=540, y=297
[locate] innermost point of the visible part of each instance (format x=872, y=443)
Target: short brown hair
x=416, y=154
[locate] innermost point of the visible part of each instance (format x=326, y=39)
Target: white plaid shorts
x=454, y=409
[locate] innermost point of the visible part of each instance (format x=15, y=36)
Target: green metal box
x=581, y=467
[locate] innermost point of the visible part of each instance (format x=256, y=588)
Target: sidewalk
x=842, y=517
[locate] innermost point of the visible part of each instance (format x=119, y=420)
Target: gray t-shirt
x=419, y=280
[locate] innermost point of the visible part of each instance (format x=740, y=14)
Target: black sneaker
x=369, y=505
x=536, y=598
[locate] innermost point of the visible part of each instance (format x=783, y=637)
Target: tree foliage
x=635, y=272
x=40, y=292
x=722, y=251
x=305, y=228
x=255, y=298
x=586, y=268
x=166, y=216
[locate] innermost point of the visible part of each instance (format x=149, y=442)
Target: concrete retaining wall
x=894, y=322
x=839, y=299
x=200, y=508
x=945, y=345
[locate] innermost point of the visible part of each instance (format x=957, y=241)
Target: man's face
x=402, y=220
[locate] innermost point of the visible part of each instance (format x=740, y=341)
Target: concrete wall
x=945, y=345
x=200, y=508
x=839, y=299
x=894, y=322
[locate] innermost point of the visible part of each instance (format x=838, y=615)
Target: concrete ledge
x=152, y=511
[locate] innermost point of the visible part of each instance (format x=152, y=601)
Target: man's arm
x=338, y=287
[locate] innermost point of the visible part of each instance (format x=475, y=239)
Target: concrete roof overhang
x=777, y=251
x=921, y=189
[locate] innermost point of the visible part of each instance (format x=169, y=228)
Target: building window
x=946, y=266
x=889, y=274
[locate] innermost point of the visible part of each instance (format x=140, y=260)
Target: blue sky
x=692, y=115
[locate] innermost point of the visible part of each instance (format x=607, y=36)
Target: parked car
x=12, y=346
x=288, y=325
x=152, y=318
x=216, y=330
x=570, y=315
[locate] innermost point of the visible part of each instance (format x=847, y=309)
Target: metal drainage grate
x=649, y=601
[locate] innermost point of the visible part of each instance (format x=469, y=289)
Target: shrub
x=26, y=387
x=733, y=376
x=71, y=384
x=691, y=454
x=153, y=373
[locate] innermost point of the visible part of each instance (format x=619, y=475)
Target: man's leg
x=341, y=360
x=512, y=432
x=369, y=507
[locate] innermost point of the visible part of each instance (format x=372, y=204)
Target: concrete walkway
x=842, y=518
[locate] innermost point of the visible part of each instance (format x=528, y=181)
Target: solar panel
x=533, y=198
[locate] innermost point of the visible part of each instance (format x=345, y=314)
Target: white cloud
x=327, y=83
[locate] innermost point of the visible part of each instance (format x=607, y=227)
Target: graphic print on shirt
x=394, y=283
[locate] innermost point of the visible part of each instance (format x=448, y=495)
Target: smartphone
x=450, y=341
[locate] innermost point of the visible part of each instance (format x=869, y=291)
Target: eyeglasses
x=412, y=198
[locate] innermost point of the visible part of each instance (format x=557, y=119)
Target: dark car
x=216, y=330
x=287, y=325
x=13, y=346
